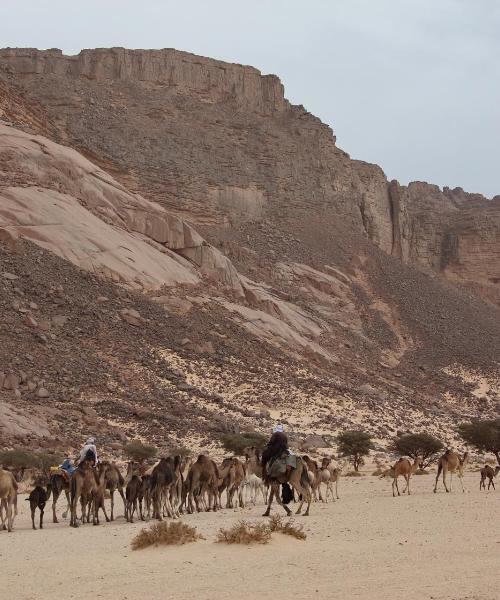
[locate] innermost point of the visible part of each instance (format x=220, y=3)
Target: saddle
x=276, y=467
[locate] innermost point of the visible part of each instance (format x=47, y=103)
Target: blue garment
x=68, y=467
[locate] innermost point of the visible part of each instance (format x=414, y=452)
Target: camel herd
x=179, y=484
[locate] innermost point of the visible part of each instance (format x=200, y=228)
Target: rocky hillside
x=185, y=253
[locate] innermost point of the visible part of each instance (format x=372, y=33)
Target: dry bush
x=276, y=524
x=353, y=474
x=378, y=472
x=422, y=472
x=244, y=532
x=176, y=533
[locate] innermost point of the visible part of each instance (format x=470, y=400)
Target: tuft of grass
x=169, y=534
x=353, y=474
x=276, y=524
x=422, y=472
x=244, y=532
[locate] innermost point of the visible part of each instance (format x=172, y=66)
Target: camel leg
x=270, y=501
x=112, y=495
x=304, y=494
x=120, y=491
x=55, y=497
x=33, y=517
x=493, y=483
x=461, y=477
x=444, y=481
x=104, y=511
x=65, y=513
x=41, y=518
x=337, y=489
x=9, y=515
x=408, y=484
x=280, y=501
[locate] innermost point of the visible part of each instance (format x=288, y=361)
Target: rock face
x=180, y=246
x=218, y=144
x=70, y=206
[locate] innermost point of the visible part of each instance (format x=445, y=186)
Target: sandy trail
x=367, y=546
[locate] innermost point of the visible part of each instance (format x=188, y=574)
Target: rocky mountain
x=186, y=253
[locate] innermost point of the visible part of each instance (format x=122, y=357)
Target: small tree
x=417, y=444
x=138, y=451
x=483, y=435
x=355, y=445
x=237, y=442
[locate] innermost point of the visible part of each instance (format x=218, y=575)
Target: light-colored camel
x=254, y=486
x=451, y=463
x=298, y=479
x=253, y=462
x=8, y=499
x=404, y=468
x=328, y=475
x=490, y=473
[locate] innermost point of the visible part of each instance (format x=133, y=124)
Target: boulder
x=131, y=316
x=11, y=382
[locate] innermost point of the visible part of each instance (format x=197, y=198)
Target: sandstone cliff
x=218, y=143
x=215, y=261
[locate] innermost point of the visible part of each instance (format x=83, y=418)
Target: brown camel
x=488, y=472
x=232, y=477
x=57, y=484
x=84, y=483
x=404, y=468
x=163, y=477
x=8, y=499
x=113, y=482
x=203, y=478
x=298, y=479
x=451, y=463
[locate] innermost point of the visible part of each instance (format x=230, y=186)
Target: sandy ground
x=368, y=545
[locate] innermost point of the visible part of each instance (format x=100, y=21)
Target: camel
x=451, y=463
x=253, y=461
x=298, y=479
x=313, y=473
x=83, y=484
x=8, y=499
x=488, y=472
x=162, y=478
x=202, y=478
x=404, y=468
x=139, y=469
x=255, y=485
x=37, y=499
x=232, y=480
x=328, y=475
x=113, y=482
x=57, y=484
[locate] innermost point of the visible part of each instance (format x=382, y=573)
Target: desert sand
x=367, y=545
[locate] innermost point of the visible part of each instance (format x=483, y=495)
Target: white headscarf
x=279, y=428
x=90, y=441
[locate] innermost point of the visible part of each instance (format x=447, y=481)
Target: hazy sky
x=413, y=85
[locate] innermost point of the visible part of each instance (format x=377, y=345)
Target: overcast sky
x=413, y=85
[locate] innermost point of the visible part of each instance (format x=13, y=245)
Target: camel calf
x=488, y=472
x=37, y=499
